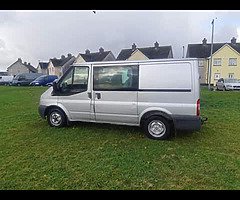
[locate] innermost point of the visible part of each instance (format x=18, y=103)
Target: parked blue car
x=44, y=80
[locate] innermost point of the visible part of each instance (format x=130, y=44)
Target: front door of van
x=115, y=94
x=75, y=94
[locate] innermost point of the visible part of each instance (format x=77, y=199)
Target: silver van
x=162, y=96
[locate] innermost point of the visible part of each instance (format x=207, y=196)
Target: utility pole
x=210, y=64
x=183, y=52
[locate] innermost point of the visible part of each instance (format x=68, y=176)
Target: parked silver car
x=158, y=95
x=228, y=84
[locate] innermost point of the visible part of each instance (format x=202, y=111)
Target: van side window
x=122, y=78
x=75, y=81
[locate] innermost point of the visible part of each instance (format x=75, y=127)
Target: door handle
x=89, y=95
x=98, y=95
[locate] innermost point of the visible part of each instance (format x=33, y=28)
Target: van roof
x=136, y=61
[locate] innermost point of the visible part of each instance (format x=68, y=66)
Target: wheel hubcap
x=156, y=128
x=55, y=118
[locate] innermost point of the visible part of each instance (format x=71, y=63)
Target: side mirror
x=55, y=86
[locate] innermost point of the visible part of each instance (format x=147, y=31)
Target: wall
x=225, y=53
x=138, y=55
x=17, y=68
x=51, y=68
x=79, y=60
x=109, y=57
x=43, y=71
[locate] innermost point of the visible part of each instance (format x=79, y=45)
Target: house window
x=231, y=75
x=232, y=61
x=217, y=61
x=216, y=76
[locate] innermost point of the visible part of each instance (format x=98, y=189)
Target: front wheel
x=157, y=128
x=56, y=118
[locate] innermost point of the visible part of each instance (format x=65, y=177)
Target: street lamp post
x=210, y=64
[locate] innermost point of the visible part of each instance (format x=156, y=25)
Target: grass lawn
x=101, y=156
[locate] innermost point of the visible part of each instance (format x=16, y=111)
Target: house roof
x=204, y=50
x=58, y=62
x=30, y=67
x=68, y=64
x=151, y=52
x=43, y=65
x=96, y=56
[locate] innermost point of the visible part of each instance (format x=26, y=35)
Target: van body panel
x=166, y=76
x=77, y=105
x=5, y=80
x=117, y=106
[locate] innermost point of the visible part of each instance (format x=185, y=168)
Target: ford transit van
x=161, y=96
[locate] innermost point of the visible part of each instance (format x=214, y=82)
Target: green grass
x=34, y=155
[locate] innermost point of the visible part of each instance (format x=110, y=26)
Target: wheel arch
x=151, y=113
x=57, y=107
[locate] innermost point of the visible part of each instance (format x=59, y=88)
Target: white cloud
x=44, y=34
x=238, y=34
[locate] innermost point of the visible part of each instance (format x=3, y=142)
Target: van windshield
x=17, y=77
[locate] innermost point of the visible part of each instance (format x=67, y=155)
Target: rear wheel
x=56, y=118
x=157, y=128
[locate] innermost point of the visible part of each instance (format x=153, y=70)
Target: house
x=20, y=67
x=155, y=52
x=225, y=59
x=57, y=66
x=101, y=55
x=42, y=67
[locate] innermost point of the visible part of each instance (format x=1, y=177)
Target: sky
x=41, y=35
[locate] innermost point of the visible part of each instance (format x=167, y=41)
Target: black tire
x=163, y=126
x=56, y=118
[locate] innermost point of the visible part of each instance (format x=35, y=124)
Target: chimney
x=19, y=59
x=69, y=55
x=62, y=56
x=134, y=47
x=101, y=50
x=28, y=63
x=25, y=63
x=233, y=40
x=156, y=45
x=87, y=52
x=204, y=41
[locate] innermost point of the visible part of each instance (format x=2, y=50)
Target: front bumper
x=41, y=110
